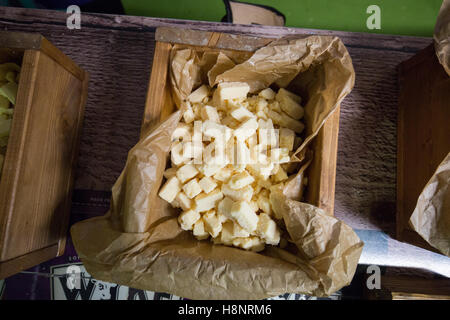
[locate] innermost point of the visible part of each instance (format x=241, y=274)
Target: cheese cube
x=192, y=188
x=183, y=201
x=197, y=109
x=275, y=204
x=233, y=90
x=176, y=154
x=207, y=184
x=239, y=232
x=252, y=101
x=226, y=235
x=188, y=218
x=252, y=243
x=242, y=155
x=262, y=169
x=261, y=105
x=192, y=150
x=274, y=106
x=223, y=174
x=212, y=223
x=287, y=137
x=267, y=229
x=182, y=131
x=267, y=134
x=186, y=172
x=207, y=201
x=283, y=120
x=210, y=113
x=292, y=108
x=209, y=170
x=230, y=122
x=170, y=172
x=244, y=194
x=292, y=124
x=267, y=93
x=254, y=205
x=170, y=189
x=264, y=203
x=276, y=166
x=240, y=180
x=241, y=114
x=224, y=207
x=262, y=115
x=246, y=129
x=188, y=115
x=199, y=94
x=215, y=130
x=199, y=230
x=285, y=93
x=242, y=213
x=252, y=141
x=279, y=155
x=217, y=102
x=175, y=203
x=222, y=218
x=262, y=184
x=258, y=153
x=280, y=175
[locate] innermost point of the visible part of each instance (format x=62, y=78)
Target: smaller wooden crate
x=423, y=133
x=38, y=173
x=159, y=104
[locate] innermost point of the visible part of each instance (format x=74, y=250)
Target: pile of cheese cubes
x=228, y=153
x=9, y=78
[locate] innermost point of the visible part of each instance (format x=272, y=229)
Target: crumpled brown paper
x=442, y=36
x=431, y=217
x=139, y=242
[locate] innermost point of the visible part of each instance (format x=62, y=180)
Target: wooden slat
x=20, y=40
x=320, y=191
x=13, y=266
x=158, y=93
x=64, y=61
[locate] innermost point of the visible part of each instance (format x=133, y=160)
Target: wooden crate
x=38, y=173
x=423, y=133
x=159, y=104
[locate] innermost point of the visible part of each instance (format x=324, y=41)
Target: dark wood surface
x=117, y=51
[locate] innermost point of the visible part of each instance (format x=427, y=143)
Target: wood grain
x=322, y=171
x=118, y=51
x=158, y=96
x=38, y=175
x=423, y=133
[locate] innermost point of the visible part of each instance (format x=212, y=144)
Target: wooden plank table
x=117, y=51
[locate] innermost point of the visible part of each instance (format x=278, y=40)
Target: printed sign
x=67, y=285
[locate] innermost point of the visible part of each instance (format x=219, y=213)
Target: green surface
x=404, y=17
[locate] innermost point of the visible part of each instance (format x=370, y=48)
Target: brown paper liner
x=139, y=242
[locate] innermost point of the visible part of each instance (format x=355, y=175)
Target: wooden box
x=38, y=173
x=159, y=104
x=423, y=133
